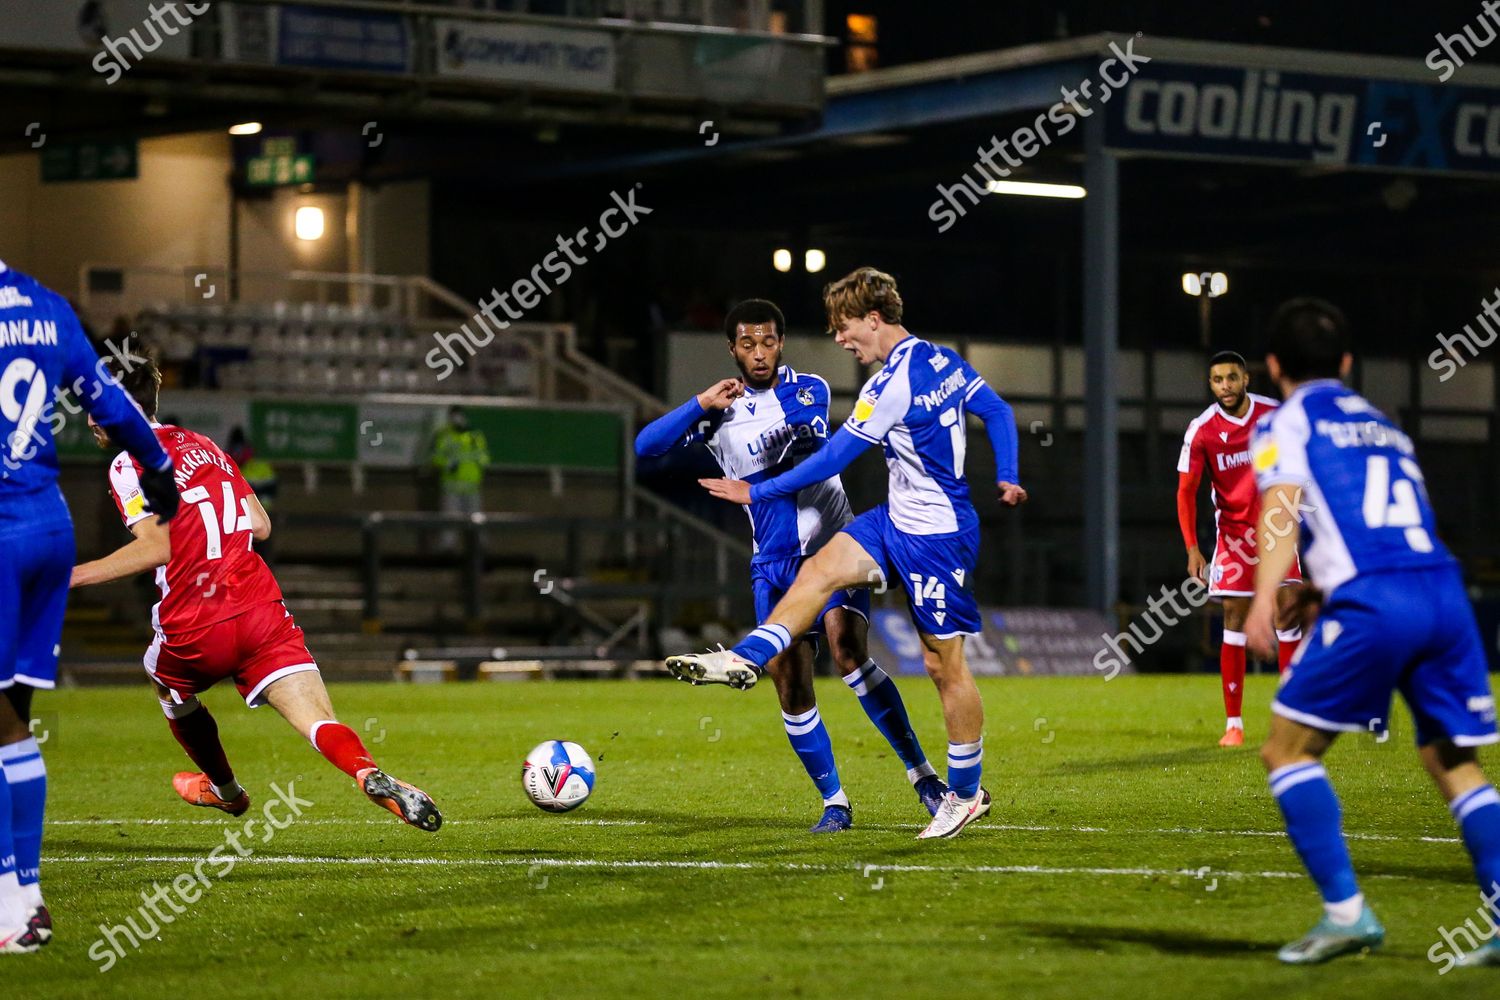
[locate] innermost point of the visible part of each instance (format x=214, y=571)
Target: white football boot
x=717, y=666
x=955, y=814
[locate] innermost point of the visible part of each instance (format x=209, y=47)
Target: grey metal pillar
x=1101, y=342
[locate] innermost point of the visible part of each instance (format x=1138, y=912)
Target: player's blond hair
x=860, y=293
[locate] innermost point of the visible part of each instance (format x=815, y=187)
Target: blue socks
x=764, y=643
x=882, y=702
x=809, y=738
x=964, y=767
x=26, y=774
x=1478, y=816
x=1313, y=822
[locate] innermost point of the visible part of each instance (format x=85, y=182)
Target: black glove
x=160, y=489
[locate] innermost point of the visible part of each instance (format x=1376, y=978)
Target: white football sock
x=228, y=792
x=13, y=909
x=1346, y=912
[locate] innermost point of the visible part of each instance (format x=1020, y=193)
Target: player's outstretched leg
x=1476, y=808
x=963, y=712
x=303, y=701
x=840, y=563
x=793, y=674
x=214, y=786
x=26, y=775
x=847, y=640
x=1293, y=757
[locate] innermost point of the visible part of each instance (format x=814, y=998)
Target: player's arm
x=151, y=547
x=1275, y=549
x=113, y=409
x=1278, y=453
x=1189, y=475
x=260, y=521
x=664, y=433
x=830, y=460
x=1000, y=424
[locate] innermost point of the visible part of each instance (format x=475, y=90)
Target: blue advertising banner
x=336, y=39
x=1013, y=642
x=1263, y=114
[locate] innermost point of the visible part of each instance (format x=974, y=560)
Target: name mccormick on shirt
x=934, y=399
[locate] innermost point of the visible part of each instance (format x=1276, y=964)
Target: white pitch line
x=878, y=828
x=630, y=864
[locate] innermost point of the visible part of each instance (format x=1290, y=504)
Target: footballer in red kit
x=1217, y=444
x=221, y=616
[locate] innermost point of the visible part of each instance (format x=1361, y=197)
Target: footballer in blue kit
x=1395, y=616
x=757, y=426
x=43, y=353
x=927, y=533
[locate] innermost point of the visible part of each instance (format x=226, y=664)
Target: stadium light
x=245, y=128
x=1209, y=283
x=1206, y=286
x=1035, y=189
x=782, y=260
x=815, y=261
x=309, y=223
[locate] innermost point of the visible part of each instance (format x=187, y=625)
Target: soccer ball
x=558, y=776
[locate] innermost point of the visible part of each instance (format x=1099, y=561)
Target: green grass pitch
x=1126, y=855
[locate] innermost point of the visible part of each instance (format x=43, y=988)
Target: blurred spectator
x=461, y=456
x=259, y=474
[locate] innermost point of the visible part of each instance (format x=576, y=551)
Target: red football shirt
x=212, y=574
x=1219, y=444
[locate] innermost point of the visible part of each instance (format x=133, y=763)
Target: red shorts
x=1231, y=571
x=257, y=646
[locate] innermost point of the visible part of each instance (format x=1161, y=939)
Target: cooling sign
x=1298, y=117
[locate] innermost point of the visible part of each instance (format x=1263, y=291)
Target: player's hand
x=1260, y=628
x=721, y=394
x=733, y=490
x=1011, y=494
x=160, y=489
x=1197, y=565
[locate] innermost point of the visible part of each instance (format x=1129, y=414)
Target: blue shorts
x=937, y=571
x=771, y=578
x=1411, y=631
x=34, y=576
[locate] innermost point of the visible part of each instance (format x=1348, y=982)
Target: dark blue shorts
x=936, y=570
x=771, y=578
x=1411, y=631
x=34, y=574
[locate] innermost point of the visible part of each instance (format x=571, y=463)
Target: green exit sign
x=279, y=169
x=89, y=161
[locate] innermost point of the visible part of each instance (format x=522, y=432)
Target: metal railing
x=658, y=566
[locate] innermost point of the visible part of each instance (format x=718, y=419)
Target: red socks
x=1287, y=641
x=199, y=735
x=1232, y=672
x=342, y=746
